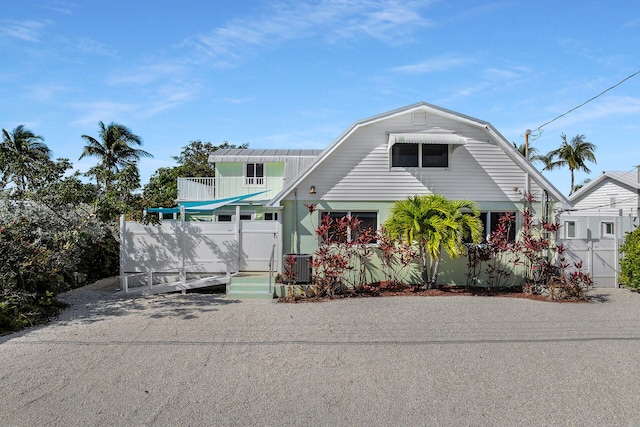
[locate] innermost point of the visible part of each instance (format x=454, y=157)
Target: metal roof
x=629, y=178
x=260, y=154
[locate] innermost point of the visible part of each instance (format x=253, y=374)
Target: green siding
x=302, y=239
x=230, y=180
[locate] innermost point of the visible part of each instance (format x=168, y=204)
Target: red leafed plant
x=544, y=266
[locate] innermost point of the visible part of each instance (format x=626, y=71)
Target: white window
x=411, y=155
x=254, y=174
x=368, y=221
x=607, y=229
x=570, y=229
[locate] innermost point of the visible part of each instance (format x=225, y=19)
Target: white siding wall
x=598, y=201
x=359, y=169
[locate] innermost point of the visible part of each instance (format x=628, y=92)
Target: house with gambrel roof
x=418, y=149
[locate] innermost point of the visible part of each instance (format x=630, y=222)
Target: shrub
x=545, y=269
x=42, y=252
x=630, y=260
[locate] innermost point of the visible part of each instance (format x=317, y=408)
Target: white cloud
x=599, y=109
x=238, y=101
x=145, y=74
x=105, y=111
x=168, y=97
x=46, y=93
x=89, y=46
x=26, y=30
x=391, y=21
x=500, y=74
x=63, y=7
x=434, y=64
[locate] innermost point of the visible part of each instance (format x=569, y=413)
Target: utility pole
x=526, y=156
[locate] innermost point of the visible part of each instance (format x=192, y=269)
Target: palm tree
x=572, y=154
x=21, y=155
x=114, y=148
x=434, y=223
x=533, y=151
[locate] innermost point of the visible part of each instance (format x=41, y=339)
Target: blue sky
x=295, y=74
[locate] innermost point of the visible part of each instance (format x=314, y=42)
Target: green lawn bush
x=630, y=261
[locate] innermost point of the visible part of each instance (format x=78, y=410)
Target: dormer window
x=254, y=174
x=429, y=149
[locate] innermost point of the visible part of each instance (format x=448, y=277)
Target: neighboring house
x=593, y=229
x=418, y=149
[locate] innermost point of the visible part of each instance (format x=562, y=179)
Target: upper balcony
x=211, y=188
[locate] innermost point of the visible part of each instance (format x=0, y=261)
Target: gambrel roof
x=481, y=127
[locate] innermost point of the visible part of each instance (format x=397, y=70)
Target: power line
x=539, y=128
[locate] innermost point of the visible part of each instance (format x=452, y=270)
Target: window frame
x=568, y=225
x=420, y=155
x=490, y=221
x=254, y=174
x=337, y=214
x=604, y=225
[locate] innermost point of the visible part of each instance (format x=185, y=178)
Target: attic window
x=420, y=155
x=422, y=149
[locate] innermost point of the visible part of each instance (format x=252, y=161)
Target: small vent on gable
x=419, y=118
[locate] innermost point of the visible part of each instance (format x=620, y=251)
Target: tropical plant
x=22, y=153
x=115, y=149
x=581, y=184
x=534, y=155
x=573, y=154
x=340, y=262
x=194, y=157
x=434, y=224
x=630, y=261
x=395, y=256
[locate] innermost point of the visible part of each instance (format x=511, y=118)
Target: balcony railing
x=222, y=187
x=196, y=188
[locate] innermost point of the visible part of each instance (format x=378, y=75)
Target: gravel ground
x=204, y=359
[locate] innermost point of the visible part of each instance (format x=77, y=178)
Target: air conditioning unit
x=301, y=266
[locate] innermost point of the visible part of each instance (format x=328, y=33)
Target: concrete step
x=249, y=290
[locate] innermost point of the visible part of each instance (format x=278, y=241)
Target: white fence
x=214, y=247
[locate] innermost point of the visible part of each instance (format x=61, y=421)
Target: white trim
x=575, y=229
x=603, y=229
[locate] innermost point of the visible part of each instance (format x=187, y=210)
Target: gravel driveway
x=203, y=359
